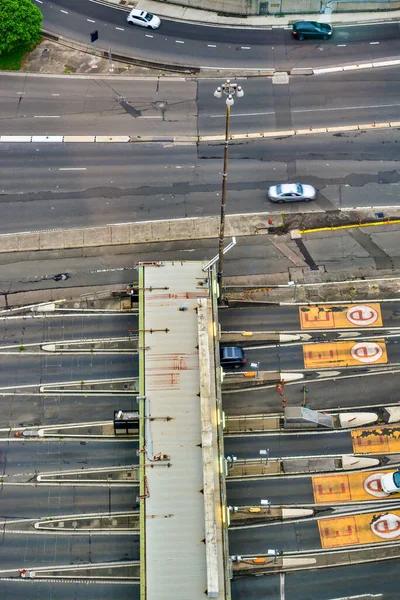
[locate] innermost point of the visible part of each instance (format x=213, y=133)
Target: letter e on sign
x=387, y=526
x=362, y=315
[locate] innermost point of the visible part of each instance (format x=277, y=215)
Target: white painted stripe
x=64, y=11
x=39, y=1
x=55, y=94
x=179, y=42
x=120, y=28
x=90, y=20
x=373, y=43
x=150, y=117
x=211, y=46
x=148, y=35
x=245, y=47
x=341, y=45
x=72, y=169
x=46, y=116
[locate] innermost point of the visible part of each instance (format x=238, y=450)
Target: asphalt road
x=23, y=330
x=286, y=537
x=31, y=104
x=286, y=318
x=21, y=460
x=193, y=45
x=279, y=491
x=290, y=445
x=369, y=581
x=66, y=590
x=47, y=186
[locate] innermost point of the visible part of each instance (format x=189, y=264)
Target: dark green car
x=311, y=29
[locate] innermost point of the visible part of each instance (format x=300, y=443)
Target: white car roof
x=288, y=188
x=135, y=12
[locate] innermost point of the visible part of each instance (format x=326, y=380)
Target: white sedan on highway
x=291, y=192
x=143, y=19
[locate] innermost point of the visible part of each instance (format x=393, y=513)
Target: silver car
x=143, y=19
x=291, y=192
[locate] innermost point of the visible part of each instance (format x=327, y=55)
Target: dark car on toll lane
x=311, y=29
x=232, y=357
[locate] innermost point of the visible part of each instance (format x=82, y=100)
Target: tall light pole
x=229, y=89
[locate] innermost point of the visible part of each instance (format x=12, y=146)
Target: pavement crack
x=381, y=259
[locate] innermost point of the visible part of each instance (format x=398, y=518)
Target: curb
x=103, y=53
x=188, y=139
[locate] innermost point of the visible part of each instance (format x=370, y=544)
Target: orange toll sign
x=369, y=528
x=344, y=354
x=376, y=440
x=340, y=316
x=350, y=487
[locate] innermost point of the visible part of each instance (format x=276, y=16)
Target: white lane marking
x=120, y=28
x=39, y=1
x=72, y=169
x=150, y=117
x=179, y=42
x=305, y=110
x=245, y=47
x=148, y=35
x=90, y=20
x=372, y=43
x=282, y=585
x=55, y=94
x=64, y=11
x=341, y=45
x=211, y=46
x=46, y=116
x=20, y=93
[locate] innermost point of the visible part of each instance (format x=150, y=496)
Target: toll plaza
x=183, y=513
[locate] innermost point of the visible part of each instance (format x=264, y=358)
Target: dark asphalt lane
x=27, y=458
x=361, y=391
x=287, y=537
x=287, y=444
x=257, y=588
x=367, y=581
x=31, y=502
x=27, y=410
x=33, y=330
x=282, y=318
x=289, y=357
x=284, y=490
x=20, y=370
x=236, y=48
x=153, y=181
x=19, y=551
x=67, y=590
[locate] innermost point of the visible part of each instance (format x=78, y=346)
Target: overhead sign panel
x=344, y=354
x=339, y=316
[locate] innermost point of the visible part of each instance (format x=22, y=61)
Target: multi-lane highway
x=24, y=498
x=201, y=46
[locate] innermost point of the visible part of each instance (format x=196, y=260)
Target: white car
x=390, y=482
x=291, y=192
x=143, y=18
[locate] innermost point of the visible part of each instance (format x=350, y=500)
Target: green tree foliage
x=20, y=25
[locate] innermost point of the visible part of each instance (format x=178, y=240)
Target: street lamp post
x=229, y=89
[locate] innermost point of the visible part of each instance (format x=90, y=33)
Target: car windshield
x=278, y=189
x=396, y=479
x=148, y=17
x=299, y=188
